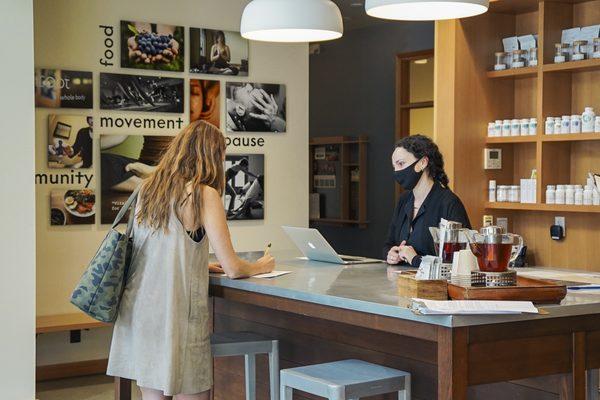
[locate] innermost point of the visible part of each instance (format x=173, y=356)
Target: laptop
x=315, y=247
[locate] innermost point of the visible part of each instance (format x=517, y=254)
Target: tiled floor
x=96, y=387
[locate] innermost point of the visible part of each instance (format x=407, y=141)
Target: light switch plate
x=560, y=221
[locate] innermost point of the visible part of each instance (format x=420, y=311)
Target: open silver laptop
x=314, y=247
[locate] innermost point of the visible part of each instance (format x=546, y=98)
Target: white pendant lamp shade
x=425, y=10
x=291, y=21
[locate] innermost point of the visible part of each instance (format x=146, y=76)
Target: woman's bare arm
x=215, y=225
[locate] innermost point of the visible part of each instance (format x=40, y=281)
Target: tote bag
x=99, y=290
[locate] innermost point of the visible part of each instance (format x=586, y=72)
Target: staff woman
x=161, y=335
x=419, y=169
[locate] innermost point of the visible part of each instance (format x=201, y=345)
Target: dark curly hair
x=421, y=146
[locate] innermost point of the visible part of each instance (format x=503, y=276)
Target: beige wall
x=17, y=238
x=67, y=36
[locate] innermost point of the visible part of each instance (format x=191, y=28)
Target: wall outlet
x=560, y=221
x=488, y=220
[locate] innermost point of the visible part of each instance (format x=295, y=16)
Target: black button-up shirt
x=439, y=203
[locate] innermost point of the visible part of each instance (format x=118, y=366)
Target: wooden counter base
x=444, y=361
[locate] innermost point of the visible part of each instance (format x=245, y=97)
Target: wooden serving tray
x=527, y=289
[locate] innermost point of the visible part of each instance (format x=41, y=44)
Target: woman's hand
x=264, y=265
x=406, y=253
x=393, y=257
x=215, y=268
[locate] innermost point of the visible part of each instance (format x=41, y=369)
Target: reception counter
x=322, y=312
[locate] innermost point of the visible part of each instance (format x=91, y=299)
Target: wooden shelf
x=572, y=137
x=511, y=139
x=573, y=66
x=542, y=207
x=527, y=72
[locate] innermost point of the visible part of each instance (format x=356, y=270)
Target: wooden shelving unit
x=469, y=94
x=350, y=194
x=556, y=208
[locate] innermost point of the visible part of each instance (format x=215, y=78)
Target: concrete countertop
x=371, y=288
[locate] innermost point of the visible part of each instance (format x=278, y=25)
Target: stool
x=249, y=344
x=345, y=380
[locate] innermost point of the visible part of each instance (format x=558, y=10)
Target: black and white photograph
x=256, y=107
x=60, y=88
x=245, y=186
x=141, y=93
x=218, y=52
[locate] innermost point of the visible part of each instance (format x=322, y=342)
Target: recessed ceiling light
x=356, y=4
x=422, y=61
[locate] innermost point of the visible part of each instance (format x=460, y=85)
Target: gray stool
x=249, y=344
x=345, y=380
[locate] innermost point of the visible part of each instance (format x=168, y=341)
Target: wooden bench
x=73, y=323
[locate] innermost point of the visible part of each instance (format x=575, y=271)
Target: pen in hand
x=267, y=249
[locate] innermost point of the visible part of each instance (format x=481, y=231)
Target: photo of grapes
x=147, y=45
x=141, y=93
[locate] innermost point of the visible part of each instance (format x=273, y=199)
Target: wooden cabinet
x=469, y=94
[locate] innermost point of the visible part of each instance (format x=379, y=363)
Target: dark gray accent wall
x=352, y=92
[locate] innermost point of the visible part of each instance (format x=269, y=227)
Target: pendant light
x=425, y=10
x=291, y=21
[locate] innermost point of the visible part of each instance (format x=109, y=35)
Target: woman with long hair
x=419, y=169
x=161, y=337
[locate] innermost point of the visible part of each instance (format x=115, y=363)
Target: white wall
x=67, y=36
x=17, y=238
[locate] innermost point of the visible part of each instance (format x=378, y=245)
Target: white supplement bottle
x=597, y=124
x=515, y=127
x=565, y=125
x=575, y=124
x=557, y=125
x=587, y=120
x=549, y=130
x=491, y=129
x=492, y=192
x=533, y=126
x=588, y=195
x=524, y=127
x=560, y=194
x=570, y=195
x=579, y=196
x=596, y=198
x=498, y=128
x=550, y=194
x=506, y=127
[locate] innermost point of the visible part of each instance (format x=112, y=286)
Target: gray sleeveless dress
x=161, y=336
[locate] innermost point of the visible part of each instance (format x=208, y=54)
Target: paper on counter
x=273, y=274
x=473, y=307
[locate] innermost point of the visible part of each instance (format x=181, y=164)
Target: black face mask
x=408, y=177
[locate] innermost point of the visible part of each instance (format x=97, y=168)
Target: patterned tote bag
x=100, y=288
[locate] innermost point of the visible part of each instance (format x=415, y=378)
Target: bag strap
x=132, y=200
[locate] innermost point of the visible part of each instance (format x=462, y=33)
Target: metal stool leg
x=274, y=370
x=592, y=384
x=286, y=393
x=405, y=394
x=250, y=376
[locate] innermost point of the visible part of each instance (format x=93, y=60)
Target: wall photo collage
x=125, y=160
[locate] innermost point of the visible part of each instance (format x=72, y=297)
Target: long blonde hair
x=195, y=156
